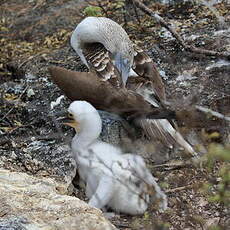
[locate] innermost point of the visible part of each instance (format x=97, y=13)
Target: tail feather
x=163, y=131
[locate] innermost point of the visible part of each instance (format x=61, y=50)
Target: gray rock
x=32, y=203
x=13, y=224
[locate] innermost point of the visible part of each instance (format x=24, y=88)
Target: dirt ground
x=35, y=34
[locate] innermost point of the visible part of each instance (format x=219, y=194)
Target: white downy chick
x=113, y=179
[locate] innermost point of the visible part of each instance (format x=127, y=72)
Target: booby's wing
x=150, y=85
x=127, y=103
x=139, y=170
x=102, y=95
x=162, y=130
x=144, y=66
x=117, y=174
x=100, y=62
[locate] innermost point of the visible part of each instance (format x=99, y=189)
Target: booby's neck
x=111, y=35
x=90, y=129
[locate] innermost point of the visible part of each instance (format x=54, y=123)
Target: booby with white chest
x=113, y=179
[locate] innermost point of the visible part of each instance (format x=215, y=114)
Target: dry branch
x=178, y=189
x=173, y=166
x=163, y=23
x=10, y=110
x=213, y=113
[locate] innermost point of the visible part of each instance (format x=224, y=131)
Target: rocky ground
x=35, y=34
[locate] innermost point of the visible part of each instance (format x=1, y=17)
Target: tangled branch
x=187, y=47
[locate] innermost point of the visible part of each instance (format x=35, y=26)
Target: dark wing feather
x=100, y=62
x=145, y=67
x=164, y=132
x=101, y=94
x=150, y=85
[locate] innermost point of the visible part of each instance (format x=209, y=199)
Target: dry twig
x=213, y=113
x=173, y=166
x=178, y=189
x=14, y=106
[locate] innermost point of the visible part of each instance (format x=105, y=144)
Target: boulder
x=28, y=202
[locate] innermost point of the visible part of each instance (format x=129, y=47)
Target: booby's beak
x=123, y=66
x=70, y=121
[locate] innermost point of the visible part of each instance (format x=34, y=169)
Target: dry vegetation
x=35, y=34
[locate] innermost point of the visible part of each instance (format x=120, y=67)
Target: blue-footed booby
x=117, y=46
x=122, y=79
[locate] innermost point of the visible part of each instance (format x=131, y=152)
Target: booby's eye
x=70, y=115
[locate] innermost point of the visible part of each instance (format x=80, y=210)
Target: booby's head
x=84, y=118
x=111, y=35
